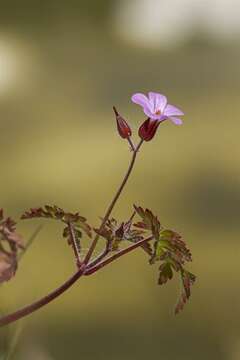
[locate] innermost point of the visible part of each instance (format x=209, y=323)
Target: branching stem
x=86, y=268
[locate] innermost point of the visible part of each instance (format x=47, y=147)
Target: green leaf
x=170, y=250
x=165, y=273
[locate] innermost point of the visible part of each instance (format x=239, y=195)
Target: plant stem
x=113, y=202
x=84, y=269
x=93, y=268
x=132, y=146
x=43, y=301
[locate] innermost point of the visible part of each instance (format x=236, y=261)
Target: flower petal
x=171, y=110
x=152, y=115
x=176, y=121
x=141, y=100
x=157, y=101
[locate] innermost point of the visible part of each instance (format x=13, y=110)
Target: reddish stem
x=83, y=270
x=93, y=268
x=43, y=301
x=114, y=200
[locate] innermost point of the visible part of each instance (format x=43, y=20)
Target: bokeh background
x=63, y=64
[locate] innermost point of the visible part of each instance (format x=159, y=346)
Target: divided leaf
x=170, y=250
x=188, y=280
x=149, y=221
x=56, y=213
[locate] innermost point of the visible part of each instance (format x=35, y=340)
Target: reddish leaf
x=188, y=280
x=56, y=213
x=149, y=221
x=10, y=243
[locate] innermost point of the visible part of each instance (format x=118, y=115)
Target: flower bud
x=148, y=129
x=124, y=129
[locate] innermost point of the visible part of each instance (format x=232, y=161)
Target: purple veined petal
x=176, y=121
x=141, y=100
x=157, y=101
x=171, y=110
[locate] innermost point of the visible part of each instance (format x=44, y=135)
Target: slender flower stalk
x=112, y=204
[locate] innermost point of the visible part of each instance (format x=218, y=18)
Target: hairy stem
x=113, y=202
x=43, y=301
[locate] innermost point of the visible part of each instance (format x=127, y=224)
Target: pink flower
x=155, y=106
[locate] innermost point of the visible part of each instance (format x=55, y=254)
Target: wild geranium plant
x=142, y=230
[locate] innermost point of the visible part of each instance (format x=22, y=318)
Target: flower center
x=158, y=112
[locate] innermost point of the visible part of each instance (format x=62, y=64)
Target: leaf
x=188, y=280
x=175, y=243
x=170, y=250
x=149, y=221
x=10, y=243
x=165, y=273
x=8, y=266
x=56, y=213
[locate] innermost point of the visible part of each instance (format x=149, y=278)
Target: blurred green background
x=63, y=64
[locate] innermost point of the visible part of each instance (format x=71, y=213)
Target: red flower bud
x=124, y=129
x=148, y=129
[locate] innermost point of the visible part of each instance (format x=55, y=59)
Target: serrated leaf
x=165, y=273
x=174, y=243
x=188, y=280
x=170, y=250
x=56, y=213
x=149, y=221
